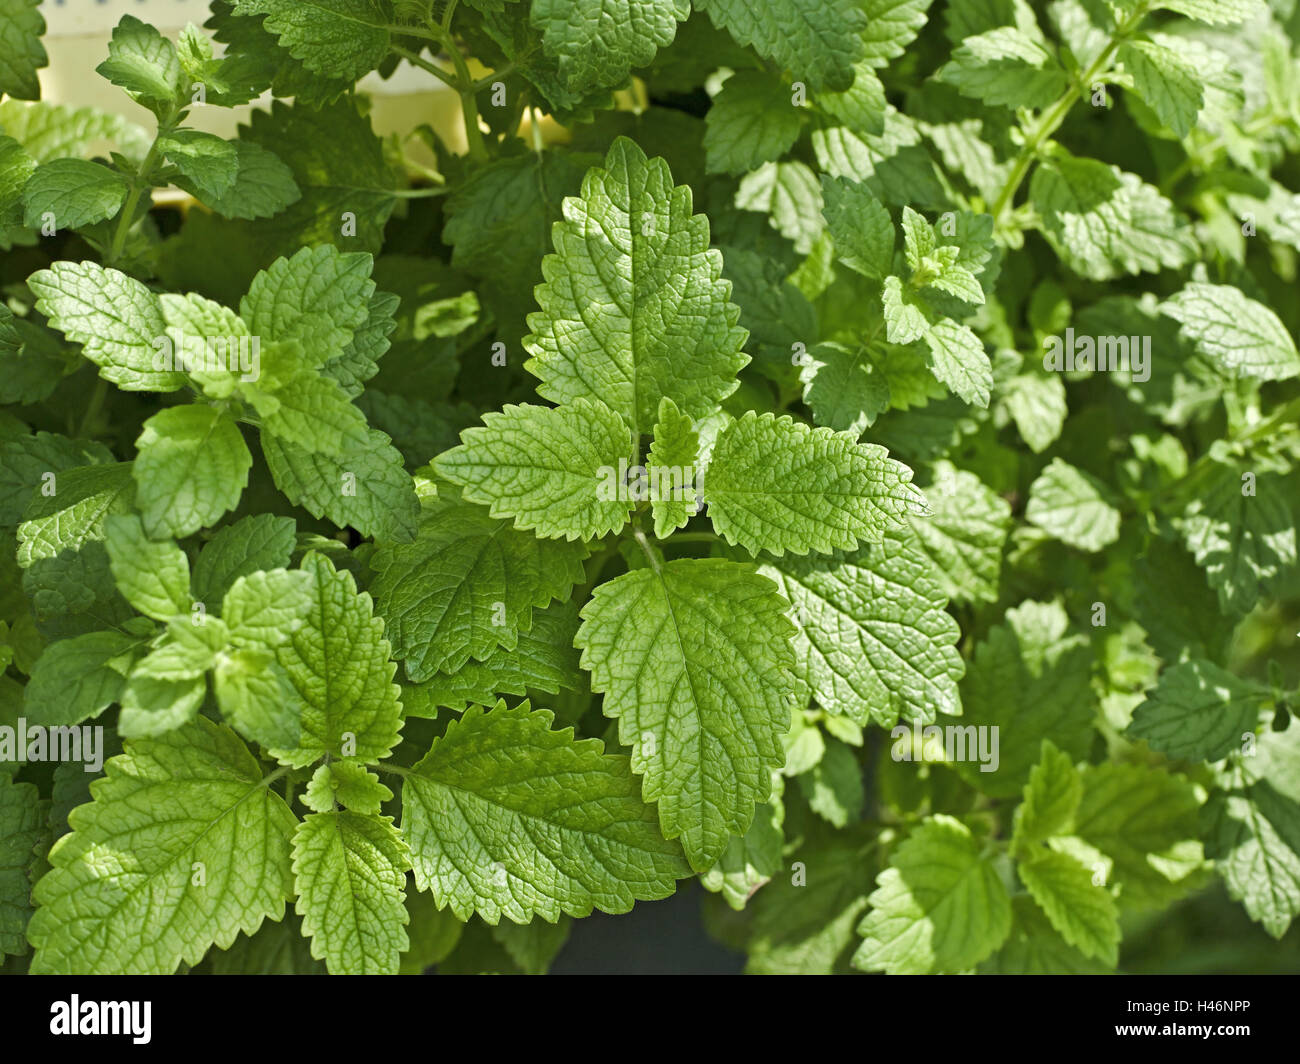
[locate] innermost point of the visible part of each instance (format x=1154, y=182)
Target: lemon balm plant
x=845, y=455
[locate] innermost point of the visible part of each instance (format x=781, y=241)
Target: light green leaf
x=1085, y=914
x=779, y=485
x=833, y=788
x=1103, y=222
x=71, y=193
x=1245, y=543
x=694, y=660
x=791, y=197
x=265, y=608
x=1037, y=405
x=506, y=817
x=1241, y=337
x=673, y=466
x=939, y=907
x=353, y=786
x=208, y=164
x=191, y=468
x=350, y=874
x=121, y=896
x=1051, y=799
x=258, y=698
x=152, y=707
x=1073, y=506
x=1168, y=83
x=142, y=61
x=1005, y=67
x=554, y=470
x=153, y=575
x=874, y=641
x=631, y=244
x=114, y=316
x=319, y=297
x=1036, y=948
x=339, y=663
x=263, y=185
x=964, y=535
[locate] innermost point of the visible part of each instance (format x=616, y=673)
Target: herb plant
x=841, y=451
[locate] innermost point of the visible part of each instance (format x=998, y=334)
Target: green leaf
x=25, y=461
x=544, y=659
x=467, y=585
x=262, y=185
x=1241, y=337
x=191, y=648
x=1051, y=799
x=60, y=545
x=816, y=43
x=319, y=297
x=152, y=707
x=553, y=470
x=260, y=541
x=210, y=343
x=963, y=536
x=191, y=468
x=674, y=454
x=753, y=120
x=750, y=861
x=844, y=388
x=341, y=782
x=597, y=45
x=20, y=827
x=339, y=663
x=1245, y=543
x=1073, y=506
x=257, y=697
x=694, y=660
x=265, y=608
x=1036, y=948
x=1250, y=831
x=207, y=163
x=1103, y=222
x=860, y=226
x=631, y=244
x=153, y=575
x=939, y=907
x=1198, y=712
x=341, y=38
x=874, y=641
x=123, y=895
x=21, y=51
x=350, y=875
x=506, y=817
x=16, y=167
x=1144, y=820
x=1037, y=405
x=72, y=193
x=790, y=195
x=1005, y=67
x=365, y=487
x=1215, y=12
x=77, y=679
x=1030, y=678
x=142, y=61
x=1085, y=914
x=833, y=788
x=114, y=316
x=312, y=413
x=1168, y=83
x=779, y=485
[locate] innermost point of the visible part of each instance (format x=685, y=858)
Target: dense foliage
x=867, y=427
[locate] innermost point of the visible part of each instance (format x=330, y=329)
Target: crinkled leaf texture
x=507, y=817
x=184, y=846
x=694, y=660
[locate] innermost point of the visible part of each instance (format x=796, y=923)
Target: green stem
x=1051, y=119
x=694, y=537
x=139, y=184
x=418, y=60
x=638, y=533
x=92, y=410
